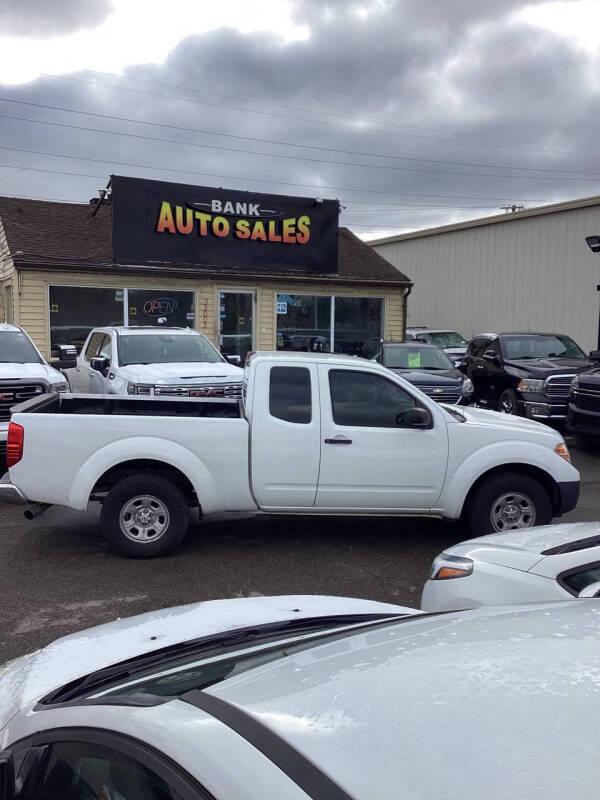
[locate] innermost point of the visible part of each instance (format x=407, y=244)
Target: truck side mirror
x=65, y=357
x=592, y=590
x=595, y=355
x=100, y=364
x=7, y=776
x=235, y=360
x=416, y=417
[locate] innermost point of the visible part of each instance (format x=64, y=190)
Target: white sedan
x=551, y=562
x=299, y=697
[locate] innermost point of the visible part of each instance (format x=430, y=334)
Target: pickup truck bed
x=116, y=405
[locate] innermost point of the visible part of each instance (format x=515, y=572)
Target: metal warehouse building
x=528, y=270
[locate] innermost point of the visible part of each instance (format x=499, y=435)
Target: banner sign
x=161, y=223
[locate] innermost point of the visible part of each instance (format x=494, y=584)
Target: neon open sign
x=159, y=307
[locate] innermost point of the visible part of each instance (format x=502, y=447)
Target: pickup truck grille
x=233, y=390
x=587, y=400
x=441, y=394
x=13, y=393
x=557, y=387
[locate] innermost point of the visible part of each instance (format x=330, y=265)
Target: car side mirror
x=100, y=364
x=416, y=417
x=7, y=776
x=235, y=360
x=64, y=356
x=490, y=355
x=592, y=590
x=595, y=355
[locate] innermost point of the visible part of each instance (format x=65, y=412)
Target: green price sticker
x=414, y=360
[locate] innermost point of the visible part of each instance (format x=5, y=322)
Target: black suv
x=528, y=374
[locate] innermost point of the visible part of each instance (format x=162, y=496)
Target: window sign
x=282, y=308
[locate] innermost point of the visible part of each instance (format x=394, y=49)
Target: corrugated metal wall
x=533, y=273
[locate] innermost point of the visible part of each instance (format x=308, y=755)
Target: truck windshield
x=540, y=346
x=16, y=348
x=442, y=338
x=165, y=348
x=411, y=356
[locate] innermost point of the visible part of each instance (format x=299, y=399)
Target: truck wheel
x=507, y=502
x=507, y=403
x=145, y=516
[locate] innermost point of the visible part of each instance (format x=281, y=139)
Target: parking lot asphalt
x=57, y=574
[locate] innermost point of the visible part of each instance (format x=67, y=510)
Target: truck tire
x=508, y=403
x=505, y=502
x=145, y=516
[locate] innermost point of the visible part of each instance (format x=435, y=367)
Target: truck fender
x=496, y=455
x=143, y=447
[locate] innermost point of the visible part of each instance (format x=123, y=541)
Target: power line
x=253, y=178
x=288, y=144
x=534, y=146
x=292, y=157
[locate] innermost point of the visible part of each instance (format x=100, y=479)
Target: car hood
x=26, y=680
x=30, y=372
x=549, y=366
x=193, y=372
x=447, y=377
x=480, y=416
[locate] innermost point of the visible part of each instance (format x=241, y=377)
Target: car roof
x=417, y=708
x=424, y=345
x=283, y=355
x=141, y=329
x=433, y=330
x=6, y=327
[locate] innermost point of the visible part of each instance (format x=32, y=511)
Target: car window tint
x=91, y=351
x=290, y=394
x=478, y=346
x=362, y=399
x=577, y=581
x=80, y=771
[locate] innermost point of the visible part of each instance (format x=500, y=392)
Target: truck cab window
x=290, y=394
x=362, y=399
x=91, y=351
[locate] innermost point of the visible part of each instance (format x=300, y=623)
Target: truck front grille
x=441, y=394
x=587, y=400
x=11, y=394
x=557, y=387
x=232, y=390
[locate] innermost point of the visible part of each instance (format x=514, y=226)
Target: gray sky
x=413, y=113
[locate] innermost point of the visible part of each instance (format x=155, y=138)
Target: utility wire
x=204, y=132
x=293, y=157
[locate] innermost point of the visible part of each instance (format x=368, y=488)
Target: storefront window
x=357, y=319
x=236, y=323
x=75, y=310
x=303, y=322
x=161, y=307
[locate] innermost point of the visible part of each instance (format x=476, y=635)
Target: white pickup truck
x=313, y=434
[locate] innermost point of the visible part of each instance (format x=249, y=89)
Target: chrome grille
x=587, y=400
x=231, y=390
x=558, y=386
x=11, y=394
x=441, y=394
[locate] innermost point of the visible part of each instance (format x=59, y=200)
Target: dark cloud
x=424, y=83
x=51, y=17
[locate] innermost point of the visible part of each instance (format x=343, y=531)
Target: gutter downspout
x=404, y=311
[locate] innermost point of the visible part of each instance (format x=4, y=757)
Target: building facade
x=60, y=276
x=529, y=270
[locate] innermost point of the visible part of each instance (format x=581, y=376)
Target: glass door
x=236, y=323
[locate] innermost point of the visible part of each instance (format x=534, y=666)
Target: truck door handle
x=338, y=441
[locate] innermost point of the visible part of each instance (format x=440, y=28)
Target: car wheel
x=145, y=516
x=507, y=502
x=507, y=403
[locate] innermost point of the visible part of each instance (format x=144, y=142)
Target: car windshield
x=16, y=348
x=540, y=346
x=165, y=348
x=411, y=356
x=443, y=338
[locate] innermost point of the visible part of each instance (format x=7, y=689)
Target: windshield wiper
x=203, y=646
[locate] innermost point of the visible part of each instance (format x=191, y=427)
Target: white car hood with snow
x=30, y=372
x=184, y=373
x=521, y=425
x=25, y=681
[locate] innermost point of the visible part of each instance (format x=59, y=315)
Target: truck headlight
x=140, y=388
x=467, y=387
x=531, y=385
x=446, y=567
x=60, y=387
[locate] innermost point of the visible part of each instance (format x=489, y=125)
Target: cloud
x=51, y=17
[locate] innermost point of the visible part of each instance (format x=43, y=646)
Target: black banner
x=156, y=222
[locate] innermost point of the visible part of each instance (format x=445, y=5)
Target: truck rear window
x=290, y=394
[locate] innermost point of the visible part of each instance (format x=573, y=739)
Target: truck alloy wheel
x=505, y=502
x=145, y=516
x=511, y=511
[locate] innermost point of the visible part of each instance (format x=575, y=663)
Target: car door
x=88, y=764
x=99, y=381
x=285, y=435
x=79, y=378
x=474, y=365
x=371, y=457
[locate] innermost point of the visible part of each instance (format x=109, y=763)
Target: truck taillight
x=14, y=444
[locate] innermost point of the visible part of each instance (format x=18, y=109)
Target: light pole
x=593, y=242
